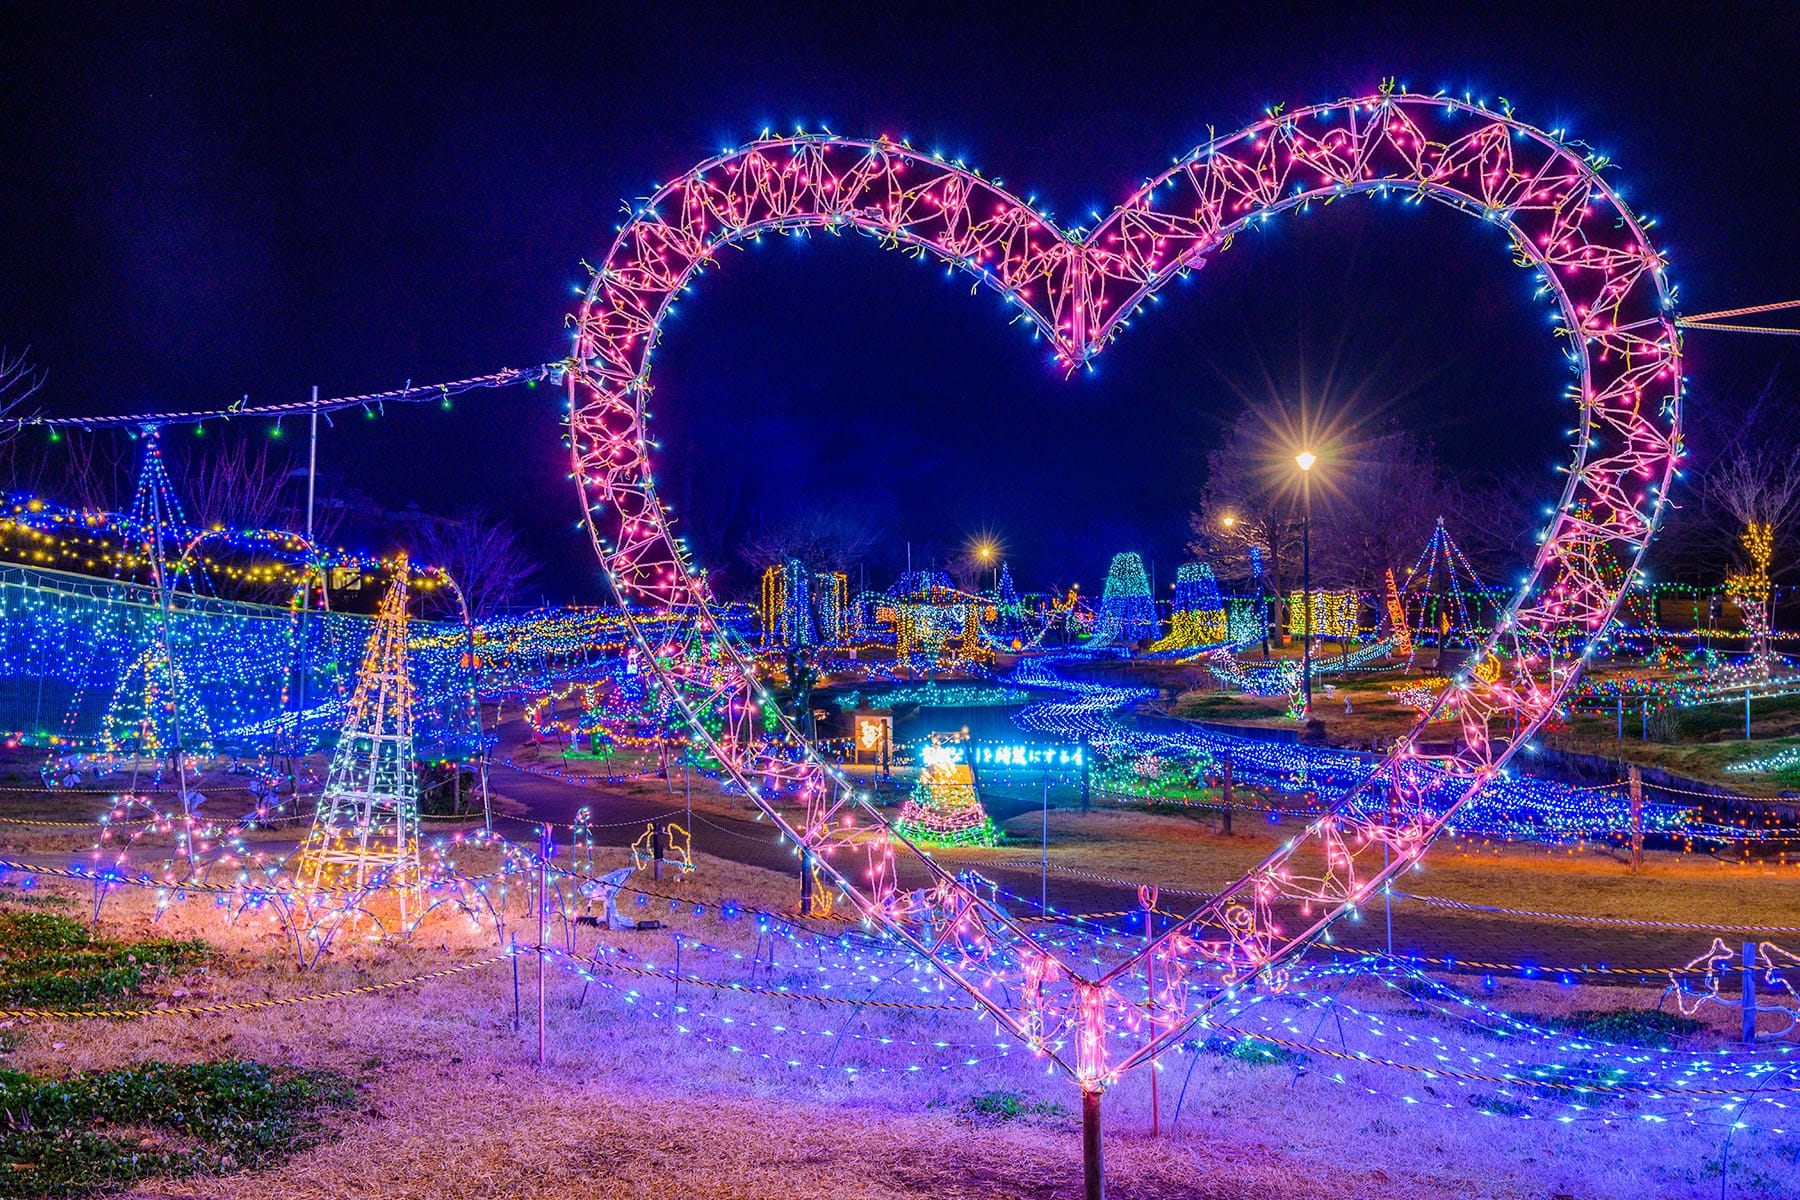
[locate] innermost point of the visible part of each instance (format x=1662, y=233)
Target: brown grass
x=629, y=1105
x=1188, y=852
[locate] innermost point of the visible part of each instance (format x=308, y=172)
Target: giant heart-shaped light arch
x=1595, y=263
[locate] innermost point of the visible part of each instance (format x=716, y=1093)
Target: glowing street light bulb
x=1306, y=459
x=1228, y=521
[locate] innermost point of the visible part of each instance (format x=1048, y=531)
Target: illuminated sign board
x=872, y=734
x=985, y=754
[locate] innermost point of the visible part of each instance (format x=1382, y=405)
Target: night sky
x=209, y=205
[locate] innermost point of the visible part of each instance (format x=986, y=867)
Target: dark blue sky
x=212, y=203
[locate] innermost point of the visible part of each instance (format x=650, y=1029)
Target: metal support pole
x=806, y=883
x=1306, y=589
x=1636, y=777
x=166, y=601
x=1093, y=1186
x=1644, y=721
x=312, y=470
x=1387, y=901
x=1749, y=993
x=515, y=965
x=543, y=903
x=1086, y=787
x=1746, y=714
x=656, y=849
x=312, y=463
x=1147, y=897
x=1387, y=888
x=1044, y=854
x=487, y=806
x=1621, y=733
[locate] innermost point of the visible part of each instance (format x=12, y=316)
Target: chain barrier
x=1515, y=1080
x=1445, y=902
x=1452, y=964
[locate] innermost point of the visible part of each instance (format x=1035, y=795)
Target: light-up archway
x=1616, y=326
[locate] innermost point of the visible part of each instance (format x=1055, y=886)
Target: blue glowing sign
x=984, y=754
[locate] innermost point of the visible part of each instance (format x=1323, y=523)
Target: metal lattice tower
x=366, y=828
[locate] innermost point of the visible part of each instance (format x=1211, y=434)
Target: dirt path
x=1460, y=943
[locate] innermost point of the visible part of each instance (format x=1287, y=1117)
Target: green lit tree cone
x=927, y=827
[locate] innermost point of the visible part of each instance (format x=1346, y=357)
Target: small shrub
x=46, y=958
x=39, y=932
x=1253, y=1052
x=1006, y=1106
x=1498, y=1106
x=87, y=1134
x=1633, y=1026
x=1665, y=725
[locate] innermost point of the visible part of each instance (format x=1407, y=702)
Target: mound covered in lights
x=944, y=810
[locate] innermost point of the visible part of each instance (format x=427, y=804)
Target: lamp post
x=1306, y=459
x=986, y=551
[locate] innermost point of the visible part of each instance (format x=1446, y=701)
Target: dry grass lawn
x=723, y=1095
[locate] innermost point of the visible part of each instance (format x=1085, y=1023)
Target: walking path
x=1456, y=942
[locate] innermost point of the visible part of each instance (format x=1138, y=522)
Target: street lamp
x=986, y=552
x=1306, y=459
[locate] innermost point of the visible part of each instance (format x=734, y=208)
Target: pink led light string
x=1566, y=225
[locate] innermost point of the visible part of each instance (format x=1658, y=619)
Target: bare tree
x=483, y=556
x=974, y=566
x=823, y=539
x=1249, y=517
x=1744, y=457
x=98, y=470
x=1497, y=520
x=1376, y=509
x=19, y=380
x=26, y=465
x=1755, y=485
x=238, y=483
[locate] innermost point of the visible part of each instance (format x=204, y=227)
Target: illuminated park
x=776, y=743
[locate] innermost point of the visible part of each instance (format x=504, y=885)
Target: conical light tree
x=1127, y=610
x=1198, y=617
x=150, y=705
x=366, y=829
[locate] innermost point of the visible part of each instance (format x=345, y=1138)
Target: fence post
x=1092, y=1160
x=1636, y=777
x=1749, y=993
x=806, y=882
x=515, y=962
x=656, y=849
x=1225, y=797
x=1084, y=774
